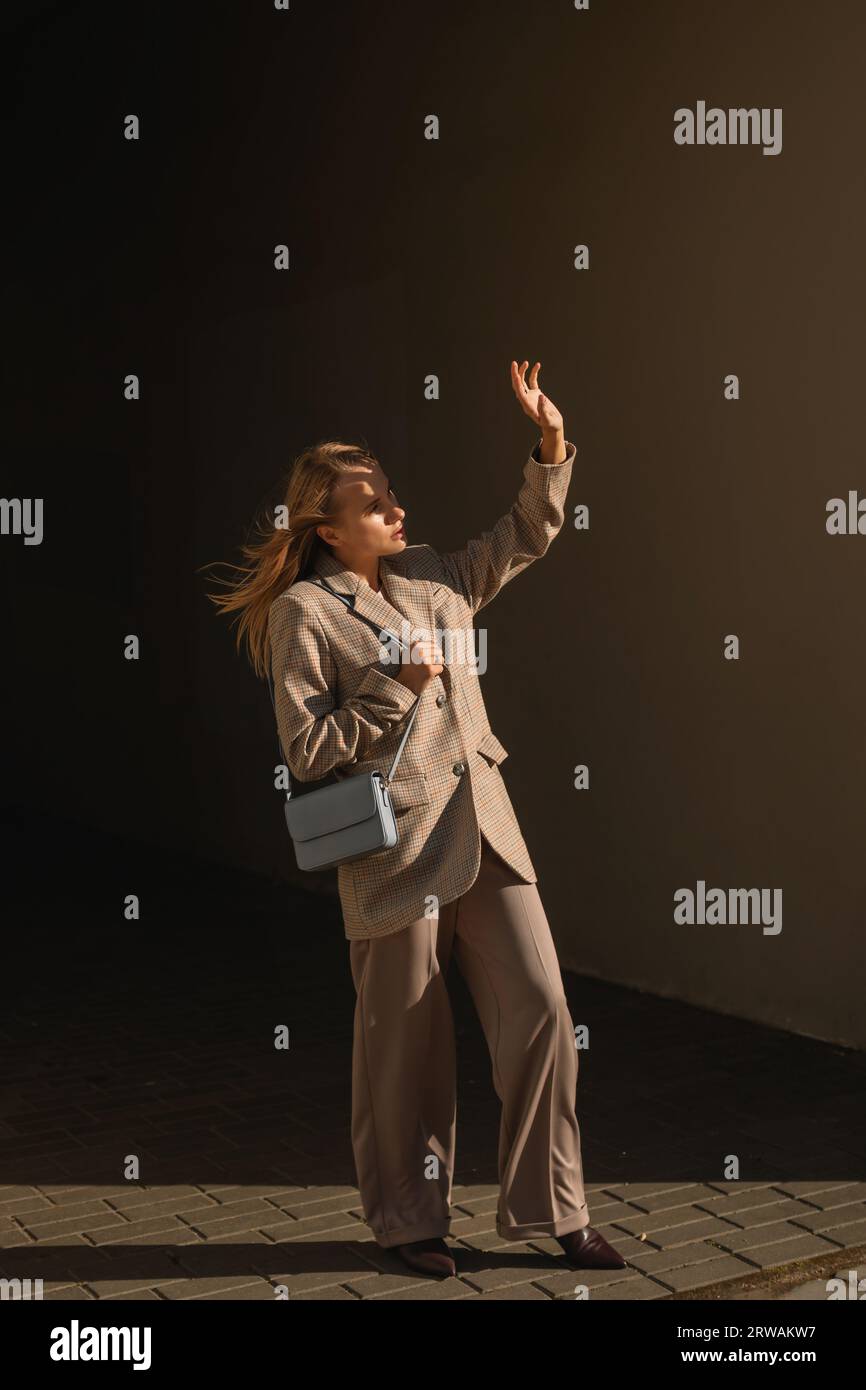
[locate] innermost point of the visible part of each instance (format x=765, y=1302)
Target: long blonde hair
x=285, y=552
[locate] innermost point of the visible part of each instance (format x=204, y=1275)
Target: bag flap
x=331, y=808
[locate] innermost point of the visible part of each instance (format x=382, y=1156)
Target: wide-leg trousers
x=404, y=1064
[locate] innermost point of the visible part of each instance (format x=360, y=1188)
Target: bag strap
x=349, y=600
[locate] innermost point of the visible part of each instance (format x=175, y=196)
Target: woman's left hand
x=534, y=402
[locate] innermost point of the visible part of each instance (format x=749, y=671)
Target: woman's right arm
x=317, y=736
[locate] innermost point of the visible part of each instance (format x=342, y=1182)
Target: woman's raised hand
x=533, y=401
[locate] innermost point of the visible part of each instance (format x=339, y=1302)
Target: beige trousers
x=404, y=1073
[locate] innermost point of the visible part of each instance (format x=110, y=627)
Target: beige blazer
x=339, y=710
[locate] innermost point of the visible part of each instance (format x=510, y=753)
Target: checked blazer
x=340, y=711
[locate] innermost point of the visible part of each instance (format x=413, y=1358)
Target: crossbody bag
x=353, y=818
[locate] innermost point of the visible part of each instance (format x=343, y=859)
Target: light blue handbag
x=354, y=817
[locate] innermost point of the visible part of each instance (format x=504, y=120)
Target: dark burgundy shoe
x=588, y=1249
x=430, y=1256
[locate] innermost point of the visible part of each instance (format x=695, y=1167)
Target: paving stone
x=332, y=1295
x=144, y=1295
x=205, y=1286
x=475, y=1206
x=655, y=1261
x=12, y=1239
x=180, y=1236
x=344, y=1270
x=23, y=1206
x=131, y=1232
x=304, y=1210
x=245, y=1238
x=523, y=1292
x=111, y=1288
x=304, y=1226
x=635, y=1191
x=258, y=1292
x=848, y=1235
x=173, y=1206
x=237, y=1225
x=628, y=1291
x=275, y=1193
x=797, y=1248
x=603, y=1213
x=563, y=1283
x=692, y=1276
x=812, y=1189
x=501, y=1275
x=833, y=1217
x=669, y=1201
x=749, y=1200
x=40, y=1258
x=665, y=1234
x=477, y=1254
x=484, y=1241
x=375, y=1285
x=743, y=1240
x=473, y=1191
x=766, y=1213
x=42, y=1219
x=58, y=1230
x=726, y=1188
x=434, y=1291
x=351, y=1232
x=831, y=1197
x=468, y=1227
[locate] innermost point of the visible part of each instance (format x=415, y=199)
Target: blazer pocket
x=490, y=747
x=409, y=791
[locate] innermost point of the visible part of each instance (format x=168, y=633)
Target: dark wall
x=411, y=257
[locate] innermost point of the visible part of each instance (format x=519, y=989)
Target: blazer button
x=458, y=768
x=440, y=700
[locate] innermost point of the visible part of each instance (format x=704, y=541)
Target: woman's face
x=369, y=518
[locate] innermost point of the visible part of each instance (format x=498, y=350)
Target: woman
x=460, y=877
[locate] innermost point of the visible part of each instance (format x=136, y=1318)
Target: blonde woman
x=459, y=881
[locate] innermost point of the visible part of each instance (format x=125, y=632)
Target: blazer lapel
x=398, y=600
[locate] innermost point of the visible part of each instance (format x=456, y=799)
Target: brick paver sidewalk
x=156, y=1039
